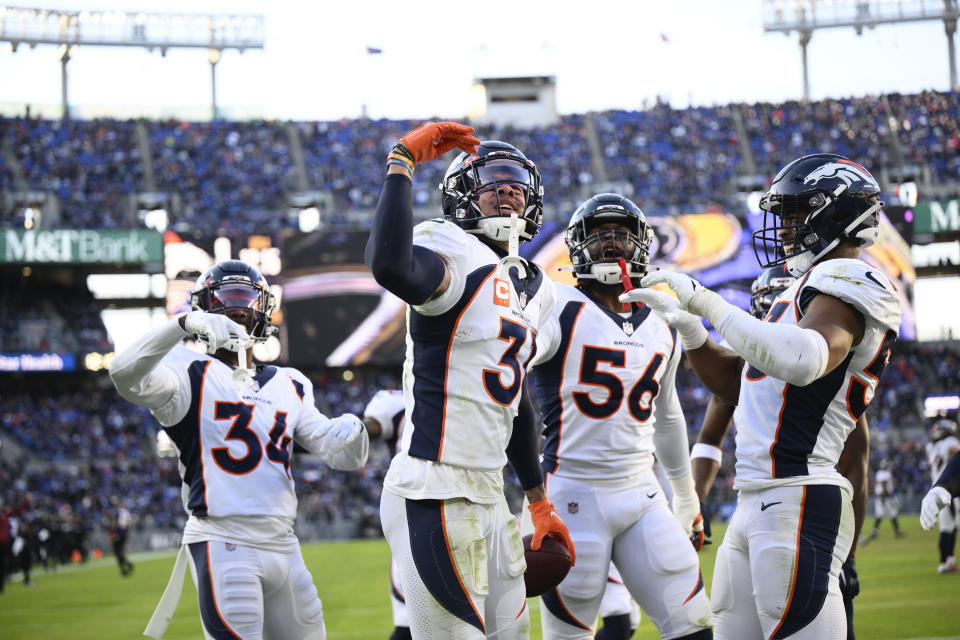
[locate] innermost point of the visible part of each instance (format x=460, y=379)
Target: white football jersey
x=939, y=453
x=388, y=408
x=596, y=380
x=468, y=351
x=232, y=441
x=789, y=435
x=883, y=483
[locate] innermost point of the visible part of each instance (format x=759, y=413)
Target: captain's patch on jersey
x=501, y=292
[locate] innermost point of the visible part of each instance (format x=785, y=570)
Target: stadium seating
x=237, y=177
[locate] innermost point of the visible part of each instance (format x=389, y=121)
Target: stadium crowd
x=238, y=176
x=63, y=320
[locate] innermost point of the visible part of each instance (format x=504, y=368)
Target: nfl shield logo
x=628, y=327
x=523, y=298
x=573, y=507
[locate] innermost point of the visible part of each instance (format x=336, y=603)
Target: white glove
x=686, y=509
x=346, y=443
x=217, y=331
x=935, y=500
x=693, y=296
x=689, y=326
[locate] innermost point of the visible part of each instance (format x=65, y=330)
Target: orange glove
x=433, y=139
x=547, y=521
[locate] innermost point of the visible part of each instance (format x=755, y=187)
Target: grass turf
x=902, y=595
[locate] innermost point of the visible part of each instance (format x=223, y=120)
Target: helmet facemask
x=815, y=204
x=501, y=182
x=595, y=253
x=790, y=233
x=238, y=293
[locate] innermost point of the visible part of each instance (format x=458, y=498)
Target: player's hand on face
x=433, y=139
x=547, y=521
x=216, y=331
x=935, y=500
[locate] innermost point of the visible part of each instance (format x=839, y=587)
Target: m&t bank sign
x=85, y=246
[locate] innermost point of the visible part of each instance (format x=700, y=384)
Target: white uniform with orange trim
x=885, y=504
x=938, y=454
x=794, y=511
x=605, y=386
x=234, y=451
x=468, y=351
x=387, y=407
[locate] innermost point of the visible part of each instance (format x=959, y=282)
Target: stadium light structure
x=805, y=16
x=152, y=31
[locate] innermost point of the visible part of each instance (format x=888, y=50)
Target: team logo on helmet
x=845, y=170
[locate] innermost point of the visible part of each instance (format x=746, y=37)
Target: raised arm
x=414, y=274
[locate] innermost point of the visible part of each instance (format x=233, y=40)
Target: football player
x=384, y=417
x=885, y=504
x=707, y=455
x=944, y=444
x=800, y=379
x=474, y=309
x=233, y=427
x=118, y=538
x=606, y=390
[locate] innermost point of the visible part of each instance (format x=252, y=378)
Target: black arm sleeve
x=410, y=272
x=949, y=479
x=523, y=450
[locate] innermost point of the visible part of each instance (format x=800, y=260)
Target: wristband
x=704, y=450
x=402, y=150
x=400, y=163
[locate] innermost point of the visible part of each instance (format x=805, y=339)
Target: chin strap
x=243, y=376
x=513, y=259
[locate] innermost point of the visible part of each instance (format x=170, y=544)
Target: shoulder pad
x=864, y=287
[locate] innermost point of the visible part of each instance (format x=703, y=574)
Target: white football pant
x=777, y=569
x=461, y=565
x=629, y=523
x=254, y=594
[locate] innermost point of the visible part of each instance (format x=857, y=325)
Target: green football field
x=902, y=595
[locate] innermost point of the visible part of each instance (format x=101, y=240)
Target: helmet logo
x=845, y=170
x=469, y=160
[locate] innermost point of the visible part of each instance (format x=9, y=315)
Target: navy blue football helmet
x=593, y=253
x=767, y=287
x=471, y=174
x=234, y=284
x=817, y=201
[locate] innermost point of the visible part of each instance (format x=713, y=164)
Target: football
x=547, y=566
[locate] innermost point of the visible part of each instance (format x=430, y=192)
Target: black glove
x=705, y=511
x=849, y=580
